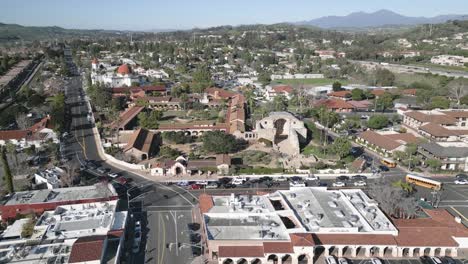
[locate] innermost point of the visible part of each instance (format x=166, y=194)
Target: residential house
x=272, y=92
x=336, y=105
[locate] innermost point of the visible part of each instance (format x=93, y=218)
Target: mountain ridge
x=378, y=18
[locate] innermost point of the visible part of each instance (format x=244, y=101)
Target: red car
x=194, y=187
x=122, y=180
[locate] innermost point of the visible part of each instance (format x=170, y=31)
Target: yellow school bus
x=423, y=182
x=388, y=162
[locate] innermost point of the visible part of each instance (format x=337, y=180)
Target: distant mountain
x=377, y=19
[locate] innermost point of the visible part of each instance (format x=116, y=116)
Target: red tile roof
x=151, y=88
x=409, y=92
x=437, y=230
x=142, y=139
x=241, y=251
x=379, y=140
x=14, y=134
x=205, y=202
x=436, y=130
x=128, y=115
x=341, y=94
x=87, y=249
x=378, y=92
x=302, y=240
x=43, y=123
x=434, y=118
x=334, y=104
x=277, y=247
x=456, y=113
x=283, y=89
x=218, y=93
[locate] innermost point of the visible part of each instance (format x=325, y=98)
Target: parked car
x=296, y=184
x=342, y=178
x=461, y=181
x=238, y=181
x=229, y=185
x=434, y=260
x=295, y=178
x=265, y=179
x=449, y=260
x=204, y=183
x=359, y=178
x=311, y=177
x=212, y=185
x=121, y=180
x=360, y=184
x=194, y=187
x=339, y=184
x=280, y=179
x=376, y=261
x=183, y=183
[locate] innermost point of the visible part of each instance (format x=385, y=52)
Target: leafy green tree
x=149, y=120
x=201, y=79
x=336, y=86
x=385, y=101
x=464, y=100
x=357, y=94
x=377, y=121
x=341, y=147
x=6, y=170
x=57, y=113
x=264, y=78
x=406, y=187
x=439, y=102
x=434, y=164
x=384, y=77
x=219, y=142
x=280, y=103
x=169, y=153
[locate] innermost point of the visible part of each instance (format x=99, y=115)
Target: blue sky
x=184, y=14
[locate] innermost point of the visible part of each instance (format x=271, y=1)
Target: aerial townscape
x=206, y=132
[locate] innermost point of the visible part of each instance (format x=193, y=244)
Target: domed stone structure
x=123, y=69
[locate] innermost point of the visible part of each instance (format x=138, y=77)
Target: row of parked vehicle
x=356, y=181
x=105, y=173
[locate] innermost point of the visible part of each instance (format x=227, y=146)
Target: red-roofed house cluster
x=35, y=135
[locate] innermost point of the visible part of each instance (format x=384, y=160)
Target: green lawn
x=318, y=82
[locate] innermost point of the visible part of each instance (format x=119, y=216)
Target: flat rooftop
x=72, y=221
x=61, y=194
x=330, y=211
x=299, y=210
x=47, y=254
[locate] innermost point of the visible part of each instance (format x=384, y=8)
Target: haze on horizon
x=187, y=14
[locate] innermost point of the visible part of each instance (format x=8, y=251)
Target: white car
x=212, y=185
x=280, y=179
x=376, y=261
x=360, y=184
x=238, y=181
x=204, y=183
x=435, y=260
x=113, y=174
x=461, y=181
x=297, y=184
x=312, y=178
x=339, y=184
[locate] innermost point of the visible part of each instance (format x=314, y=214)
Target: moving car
x=136, y=242
x=101, y=170
x=461, y=181
x=113, y=174
x=384, y=168
x=339, y=184
x=137, y=226
x=376, y=261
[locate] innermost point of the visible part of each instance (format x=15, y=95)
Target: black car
x=359, y=178
x=265, y=179
x=229, y=186
x=367, y=158
x=461, y=176
x=342, y=178
x=384, y=168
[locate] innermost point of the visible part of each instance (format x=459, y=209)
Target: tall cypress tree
x=7, y=171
